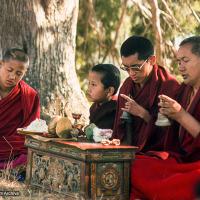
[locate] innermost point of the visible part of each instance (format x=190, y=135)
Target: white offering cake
x=37, y=125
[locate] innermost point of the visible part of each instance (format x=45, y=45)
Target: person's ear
x=152, y=60
x=110, y=91
x=1, y=63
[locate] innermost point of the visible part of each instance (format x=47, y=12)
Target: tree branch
x=96, y=25
x=124, y=5
x=194, y=13
x=157, y=29
x=146, y=13
x=170, y=15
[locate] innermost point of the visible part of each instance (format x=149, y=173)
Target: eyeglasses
x=134, y=67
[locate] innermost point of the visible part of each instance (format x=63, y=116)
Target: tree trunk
x=47, y=28
x=157, y=30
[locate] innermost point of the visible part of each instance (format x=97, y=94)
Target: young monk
x=104, y=81
x=139, y=93
x=174, y=174
x=19, y=105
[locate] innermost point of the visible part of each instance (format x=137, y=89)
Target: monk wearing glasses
x=139, y=93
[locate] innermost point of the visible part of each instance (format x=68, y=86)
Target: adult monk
x=19, y=105
x=139, y=93
x=173, y=175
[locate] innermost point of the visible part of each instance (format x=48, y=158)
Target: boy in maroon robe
x=175, y=174
x=104, y=81
x=19, y=106
x=139, y=94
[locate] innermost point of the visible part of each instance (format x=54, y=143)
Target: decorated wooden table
x=80, y=170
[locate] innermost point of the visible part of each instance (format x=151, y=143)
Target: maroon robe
x=190, y=146
x=103, y=115
x=145, y=135
x=174, y=175
x=17, y=110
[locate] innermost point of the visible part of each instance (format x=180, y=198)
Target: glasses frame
x=134, y=67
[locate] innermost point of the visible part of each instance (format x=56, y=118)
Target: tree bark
x=47, y=29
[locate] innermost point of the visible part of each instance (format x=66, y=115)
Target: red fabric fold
x=17, y=110
x=145, y=135
x=156, y=179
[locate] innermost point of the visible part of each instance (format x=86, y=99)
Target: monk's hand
x=170, y=107
x=134, y=108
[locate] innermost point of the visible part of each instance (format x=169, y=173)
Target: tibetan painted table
x=80, y=170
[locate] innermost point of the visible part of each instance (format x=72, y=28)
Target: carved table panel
x=89, y=171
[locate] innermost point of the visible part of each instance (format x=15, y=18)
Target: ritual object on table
x=52, y=125
x=76, y=117
x=64, y=128
x=89, y=131
x=97, y=134
x=110, y=142
x=37, y=126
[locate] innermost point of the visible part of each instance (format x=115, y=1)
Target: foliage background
x=104, y=24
